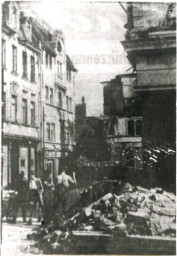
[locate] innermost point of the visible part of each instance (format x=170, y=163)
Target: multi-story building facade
x=151, y=47
x=150, y=44
x=38, y=80
x=20, y=91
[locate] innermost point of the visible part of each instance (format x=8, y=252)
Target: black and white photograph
x=88, y=127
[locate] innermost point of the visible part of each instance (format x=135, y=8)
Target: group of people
x=42, y=196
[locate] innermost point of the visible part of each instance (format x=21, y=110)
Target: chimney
x=83, y=100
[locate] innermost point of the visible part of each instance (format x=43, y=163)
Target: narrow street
x=15, y=235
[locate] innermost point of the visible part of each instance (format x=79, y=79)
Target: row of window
x=51, y=135
x=15, y=61
x=49, y=96
x=32, y=63
x=25, y=111
x=50, y=132
x=134, y=128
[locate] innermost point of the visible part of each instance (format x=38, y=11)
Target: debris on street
x=131, y=211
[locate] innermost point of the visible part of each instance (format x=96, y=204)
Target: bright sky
x=93, y=32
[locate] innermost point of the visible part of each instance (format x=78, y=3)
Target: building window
x=14, y=59
x=3, y=56
x=131, y=129
x=48, y=131
x=59, y=69
x=70, y=104
x=62, y=131
x=32, y=113
x=50, y=62
x=53, y=132
x=14, y=17
x=24, y=57
x=68, y=74
x=111, y=128
x=24, y=111
x=4, y=106
x=67, y=137
x=59, y=47
x=51, y=96
x=138, y=128
x=32, y=69
x=60, y=103
x=47, y=59
x=67, y=103
x=14, y=109
x=46, y=92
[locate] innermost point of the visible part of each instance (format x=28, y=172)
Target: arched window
x=59, y=47
x=131, y=129
x=14, y=16
x=138, y=128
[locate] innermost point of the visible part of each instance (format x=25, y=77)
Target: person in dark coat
x=48, y=199
x=21, y=197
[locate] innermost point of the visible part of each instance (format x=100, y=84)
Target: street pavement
x=14, y=239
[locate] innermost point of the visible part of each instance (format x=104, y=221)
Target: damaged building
x=123, y=121
x=150, y=43
x=38, y=88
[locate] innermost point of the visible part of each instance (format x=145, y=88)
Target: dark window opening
x=14, y=109
x=59, y=47
x=60, y=99
x=32, y=69
x=32, y=113
x=111, y=128
x=131, y=129
x=46, y=92
x=24, y=111
x=24, y=57
x=138, y=128
x=48, y=131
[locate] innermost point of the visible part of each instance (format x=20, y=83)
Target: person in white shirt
x=35, y=195
x=63, y=185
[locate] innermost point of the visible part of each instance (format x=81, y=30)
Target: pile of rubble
x=134, y=211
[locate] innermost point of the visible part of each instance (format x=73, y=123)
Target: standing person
x=48, y=199
x=35, y=195
x=61, y=196
x=21, y=197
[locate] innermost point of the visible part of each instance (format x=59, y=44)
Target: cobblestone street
x=14, y=239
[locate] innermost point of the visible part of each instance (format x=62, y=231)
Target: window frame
x=48, y=131
x=60, y=99
x=52, y=132
x=14, y=59
x=3, y=53
x=46, y=93
x=25, y=64
x=24, y=113
x=32, y=113
x=14, y=120
x=51, y=98
x=33, y=75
